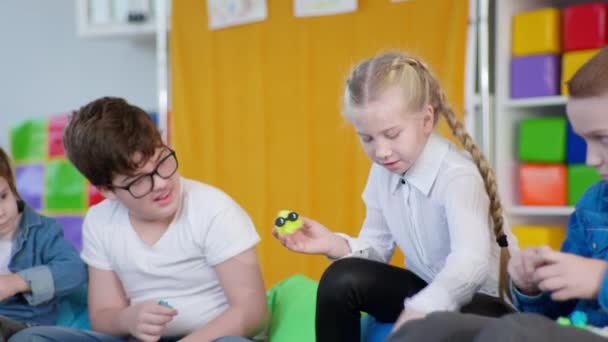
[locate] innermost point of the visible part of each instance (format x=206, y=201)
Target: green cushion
x=543, y=140
x=293, y=303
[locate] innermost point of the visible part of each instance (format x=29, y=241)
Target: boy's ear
x=106, y=192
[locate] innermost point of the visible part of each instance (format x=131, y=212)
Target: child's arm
x=110, y=312
x=575, y=243
x=61, y=272
x=467, y=265
x=243, y=285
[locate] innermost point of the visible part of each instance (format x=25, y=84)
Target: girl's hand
x=314, y=238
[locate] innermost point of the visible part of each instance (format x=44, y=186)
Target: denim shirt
x=587, y=236
x=48, y=263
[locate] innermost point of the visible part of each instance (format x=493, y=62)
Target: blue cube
x=576, y=147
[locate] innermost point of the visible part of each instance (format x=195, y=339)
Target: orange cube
x=543, y=184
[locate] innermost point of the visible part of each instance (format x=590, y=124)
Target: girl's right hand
x=313, y=238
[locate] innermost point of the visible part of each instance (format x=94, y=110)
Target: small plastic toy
x=578, y=319
x=564, y=321
x=165, y=303
x=287, y=222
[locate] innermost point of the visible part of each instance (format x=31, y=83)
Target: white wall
x=45, y=68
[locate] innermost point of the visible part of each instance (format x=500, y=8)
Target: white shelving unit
x=156, y=27
x=110, y=27
x=508, y=112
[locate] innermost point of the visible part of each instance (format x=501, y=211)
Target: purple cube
x=72, y=229
x=535, y=75
x=30, y=184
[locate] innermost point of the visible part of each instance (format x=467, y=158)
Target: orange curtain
x=255, y=108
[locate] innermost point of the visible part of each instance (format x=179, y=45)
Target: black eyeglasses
x=280, y=221
x=144, y=184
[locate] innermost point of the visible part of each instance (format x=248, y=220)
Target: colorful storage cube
x=28, y=141
x=29, y=179
x=537, y=32
x=534, y=235
x=94, y=196
x=542, y=140
x=576, y=147
x=585, y=26
x=72, y=229
x=580, y=178
x=65, y=187
x=543, y=184
x=56, y=126
x=536, y=75
x=571, y=62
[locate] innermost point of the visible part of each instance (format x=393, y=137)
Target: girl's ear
x=428, y=119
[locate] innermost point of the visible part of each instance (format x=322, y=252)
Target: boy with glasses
x=169, y=258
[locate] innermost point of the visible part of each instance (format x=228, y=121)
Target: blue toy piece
x=374, y=331
x=576, y=147
x=579, y=319
x=164, y=303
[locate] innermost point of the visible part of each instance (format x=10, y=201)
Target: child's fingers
x=546, y=272
x=148, y=338
x=550, y=256
x=158, y=319
x=563, y=295
x=162, y=310
x=552, y=284
x=152, y=329
x=275, y=233
x=307, y=222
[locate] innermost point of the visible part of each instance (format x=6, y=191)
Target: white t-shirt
x=208, y=229
x=6, y=247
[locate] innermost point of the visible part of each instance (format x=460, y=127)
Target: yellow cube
x=537, y=32
x=571, y=62
x=531, y=235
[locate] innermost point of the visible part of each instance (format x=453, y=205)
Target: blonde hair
x=368, y=81
x=592, y=78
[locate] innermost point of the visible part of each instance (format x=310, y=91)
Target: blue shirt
x=587, y=236
x=48, y=263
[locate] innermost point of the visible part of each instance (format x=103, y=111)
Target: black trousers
x=518, y=327
x=352, y=285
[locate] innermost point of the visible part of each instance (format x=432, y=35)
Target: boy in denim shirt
x=37, y=265
x=545, y=283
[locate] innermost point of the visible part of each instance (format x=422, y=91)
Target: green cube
x=580, y=178
x=28, y=141
x=543, y=140
x=65, y=187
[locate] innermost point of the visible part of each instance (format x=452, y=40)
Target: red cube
x=543, y=184
x=56, y=126
x=585, y=26
x=94, y=196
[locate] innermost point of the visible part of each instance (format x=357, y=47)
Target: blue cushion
x=374, y=331
x=73, y=310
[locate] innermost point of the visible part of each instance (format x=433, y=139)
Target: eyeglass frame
x=150, y=174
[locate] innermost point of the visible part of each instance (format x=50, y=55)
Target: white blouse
x=438, y=215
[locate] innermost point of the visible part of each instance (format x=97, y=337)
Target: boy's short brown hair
x=592, y=78
x=103, y=138
x=6, y=172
